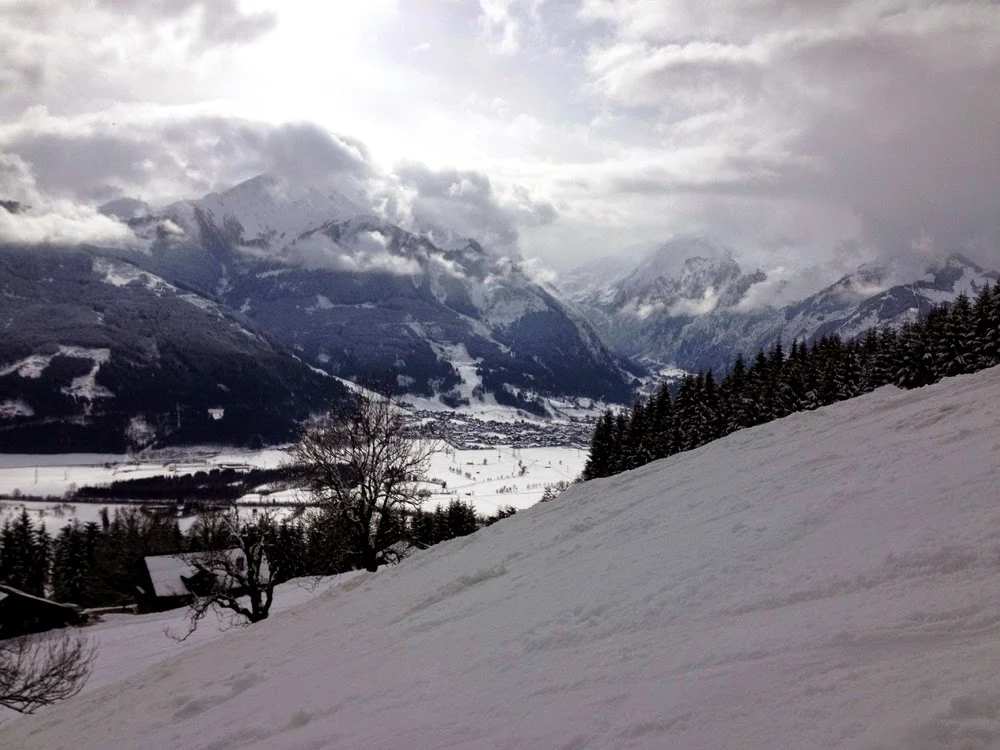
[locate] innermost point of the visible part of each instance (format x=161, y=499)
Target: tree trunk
x=369, y=559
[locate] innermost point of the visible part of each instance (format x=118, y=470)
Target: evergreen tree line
x=950, y=340
x=99, y=564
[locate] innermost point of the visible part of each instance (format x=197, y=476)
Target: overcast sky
x=800, y=132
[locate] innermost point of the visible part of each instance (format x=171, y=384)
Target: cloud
x=61, y=225
x=785, y=128
x=538, y=272
x=448, y=267
x=40, y=221
x=82, y=55
x=162, y=155
x=214, y=22
x=877, y=109
x=499, y=26
x=368, y=254
x=708, y=302
x=466, y=203
x=156, y=155
x=170, y=227
x=784, y=285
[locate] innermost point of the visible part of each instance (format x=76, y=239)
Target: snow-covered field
x=52, y=475
x=504, y=476
x=128, y=644
x=830, y=580
x=487, y=478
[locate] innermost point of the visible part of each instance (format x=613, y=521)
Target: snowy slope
x=98, y=354
x=825, y=581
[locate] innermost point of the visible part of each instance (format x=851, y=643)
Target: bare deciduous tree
x=363, y=467
x=235, y=575
x=37, y=671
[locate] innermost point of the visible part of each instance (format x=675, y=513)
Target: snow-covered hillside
x=829, y=580
x=99, y=354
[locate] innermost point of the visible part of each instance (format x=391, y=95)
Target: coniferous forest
x=955, y=340
x=102, y=564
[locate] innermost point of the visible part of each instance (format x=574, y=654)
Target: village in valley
x=465, y=432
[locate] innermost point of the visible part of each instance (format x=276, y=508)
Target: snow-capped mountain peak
x=683, y=277
x=268, y=213
x=687, y=311
x=124, y=209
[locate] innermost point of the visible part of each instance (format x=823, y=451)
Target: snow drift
x=829, y=580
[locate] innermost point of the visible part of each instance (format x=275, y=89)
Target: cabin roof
x=21, y=612
x=166, y=571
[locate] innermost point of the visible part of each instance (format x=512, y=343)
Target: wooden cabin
x=173, y=581
x=21, y=613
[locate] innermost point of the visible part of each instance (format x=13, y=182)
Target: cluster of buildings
x=466, y=432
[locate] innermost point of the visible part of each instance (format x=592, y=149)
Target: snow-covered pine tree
x=916, y=360
x=990, y=346
x=461, y=519
x=735, y=387
x=600, y=458
x=618, y=460
x=685, y=408
x=710, y=406
x=954, y=345
x=42, y=561
x=637, y=449
x=71, y=565
x=662, y=424
x=21, y=566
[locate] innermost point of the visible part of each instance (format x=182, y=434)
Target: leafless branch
x=237, y=576
x=363, y=466
x=37, y=671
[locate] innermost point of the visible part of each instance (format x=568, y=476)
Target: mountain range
x=232, y=317
x=689, y=304
x=100, y=356
x=240, y=313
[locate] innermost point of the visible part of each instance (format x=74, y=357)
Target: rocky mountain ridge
x=699, y=311
x=326, y=287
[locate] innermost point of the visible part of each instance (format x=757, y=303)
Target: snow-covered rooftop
x=165, y=573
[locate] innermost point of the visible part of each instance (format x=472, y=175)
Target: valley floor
x=829, y=580
x=489, y=478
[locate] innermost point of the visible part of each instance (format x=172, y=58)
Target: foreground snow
x=128, y=644
x=826, y=581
